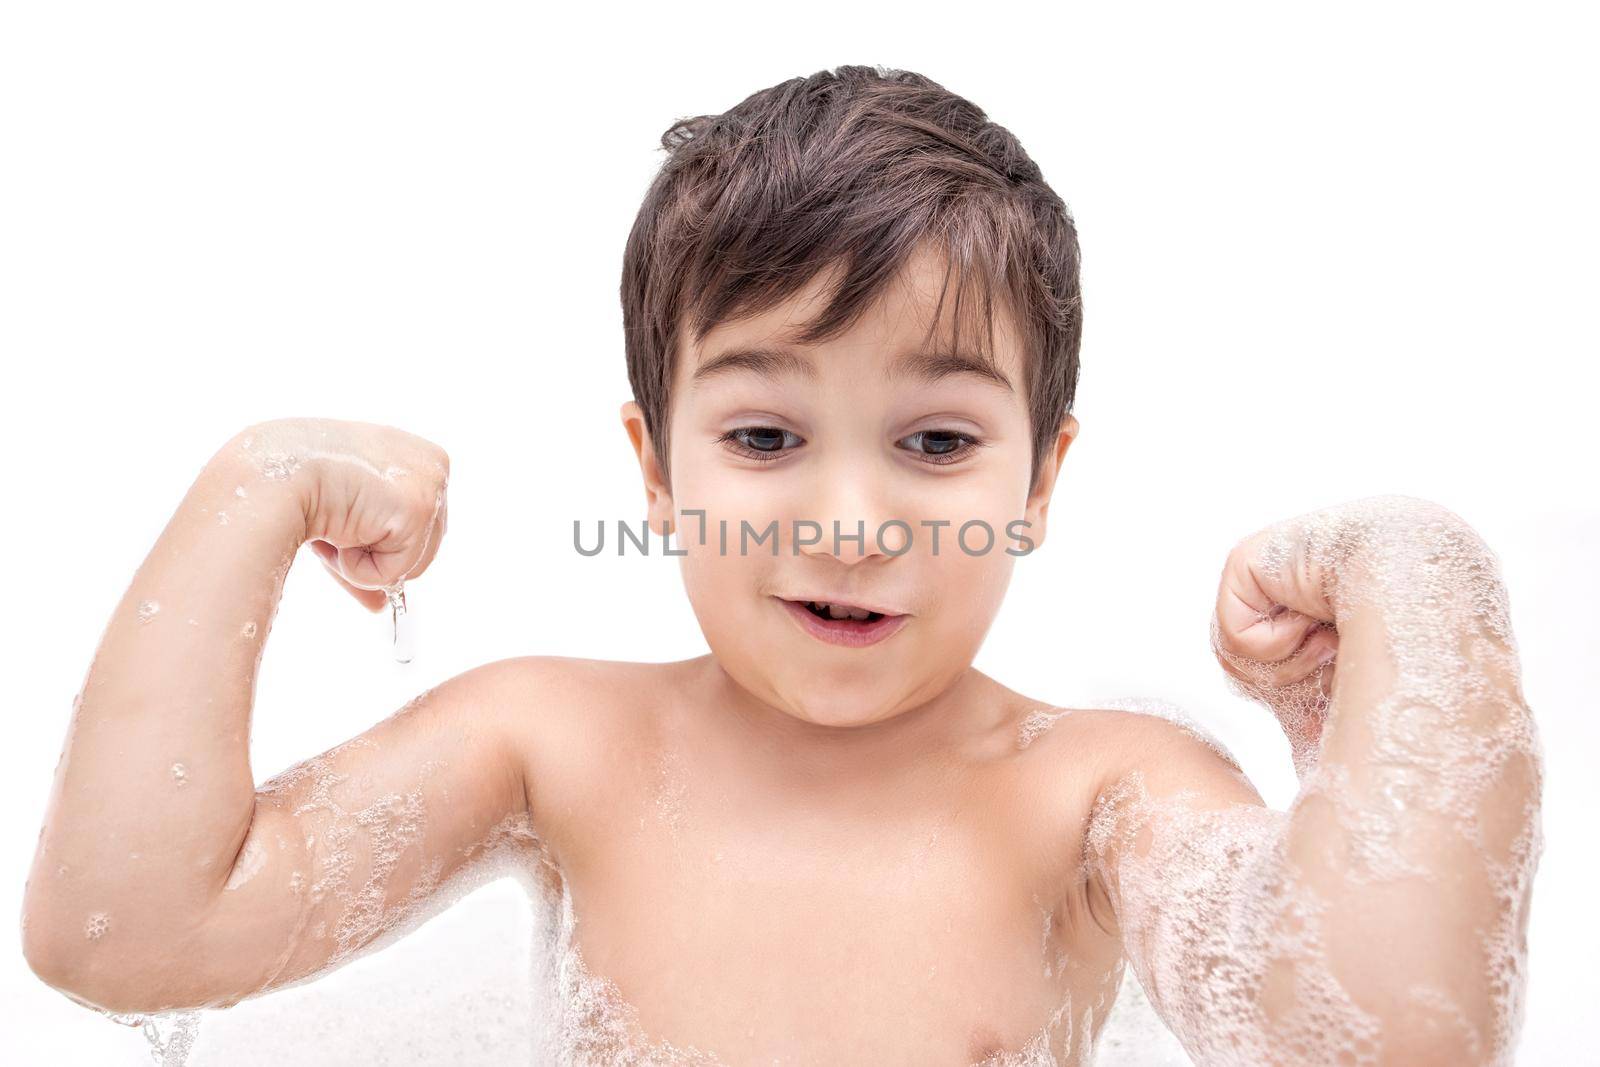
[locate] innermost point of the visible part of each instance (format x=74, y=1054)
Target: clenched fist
x=374, y=496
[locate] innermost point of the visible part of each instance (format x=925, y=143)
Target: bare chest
x=695, y=930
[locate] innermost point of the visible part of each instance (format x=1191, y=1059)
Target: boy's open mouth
x=851, y=625
x=841, y=612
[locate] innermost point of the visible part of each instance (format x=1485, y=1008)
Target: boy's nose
x=849, y=502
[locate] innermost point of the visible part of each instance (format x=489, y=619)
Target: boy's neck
x=974, y=712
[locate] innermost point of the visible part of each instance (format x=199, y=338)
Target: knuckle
x=1226, y=640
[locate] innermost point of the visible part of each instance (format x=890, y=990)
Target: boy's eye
x=764, y=443
x=941, y=446
x=767, y=443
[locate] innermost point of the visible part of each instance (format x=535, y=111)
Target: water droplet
x=180, y=774
x=222, y=518
x=95, y=927
x=173, y=1048
x=404, y=632
x=238, y=491
x=148, y=609
x=279, y=465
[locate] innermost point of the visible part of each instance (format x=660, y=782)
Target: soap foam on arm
x=1382, y=919
x=353, y=847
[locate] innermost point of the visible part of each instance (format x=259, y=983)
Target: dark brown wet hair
x=856, y=166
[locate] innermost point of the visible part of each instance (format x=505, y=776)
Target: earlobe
x=658, y=497
x=1039, y=500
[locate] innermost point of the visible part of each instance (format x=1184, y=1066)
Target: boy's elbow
x=45, y=959
x=49, y=954
x=67, y=961
x=1417, y=1033
x=89, y=983
x=65, y=969
x=1431, y=1048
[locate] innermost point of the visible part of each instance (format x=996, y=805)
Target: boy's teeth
x=835, y=611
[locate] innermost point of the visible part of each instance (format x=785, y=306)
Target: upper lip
x=845, y=600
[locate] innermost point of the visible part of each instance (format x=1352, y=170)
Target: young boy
x=852, y=325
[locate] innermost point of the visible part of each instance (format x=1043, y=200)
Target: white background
x=1329, y=251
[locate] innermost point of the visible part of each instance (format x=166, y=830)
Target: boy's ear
x=658, y=497
x=1039, y=500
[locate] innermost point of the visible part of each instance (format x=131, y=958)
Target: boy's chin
x=841, y=714
x=842, y=702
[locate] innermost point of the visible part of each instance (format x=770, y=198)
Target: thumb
x=371, y=599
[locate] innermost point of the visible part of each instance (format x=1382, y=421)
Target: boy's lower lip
x=843, y=631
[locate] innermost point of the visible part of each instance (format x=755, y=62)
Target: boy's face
x=845, y=432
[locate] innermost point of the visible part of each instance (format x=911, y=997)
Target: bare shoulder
x=1083, y=755
x=568, y=719
x=1108, y=742
x=1164, y=744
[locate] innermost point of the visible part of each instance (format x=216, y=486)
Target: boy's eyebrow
x=932, y=366
x=765, y=362
x=776, y=362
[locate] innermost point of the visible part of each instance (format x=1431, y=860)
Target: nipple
x=404, y=628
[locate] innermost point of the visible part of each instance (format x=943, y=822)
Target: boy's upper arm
x=1186, y=853
x=1152, y=768
x=374, y=834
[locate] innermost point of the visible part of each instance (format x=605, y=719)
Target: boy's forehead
x=895, y=328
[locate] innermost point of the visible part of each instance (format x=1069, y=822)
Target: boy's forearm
x=1382, y=918
x=1418, y=830
x=1385, y=914
x=153, y=791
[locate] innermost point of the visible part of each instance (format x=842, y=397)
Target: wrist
x=1397, y=554
x=1421, y=605
x=260, y=465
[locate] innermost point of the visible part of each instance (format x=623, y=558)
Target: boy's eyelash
x=734, y=439
x=966, y=445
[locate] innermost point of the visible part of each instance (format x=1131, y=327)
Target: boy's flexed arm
x=1382, y=919
x=162, y=877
